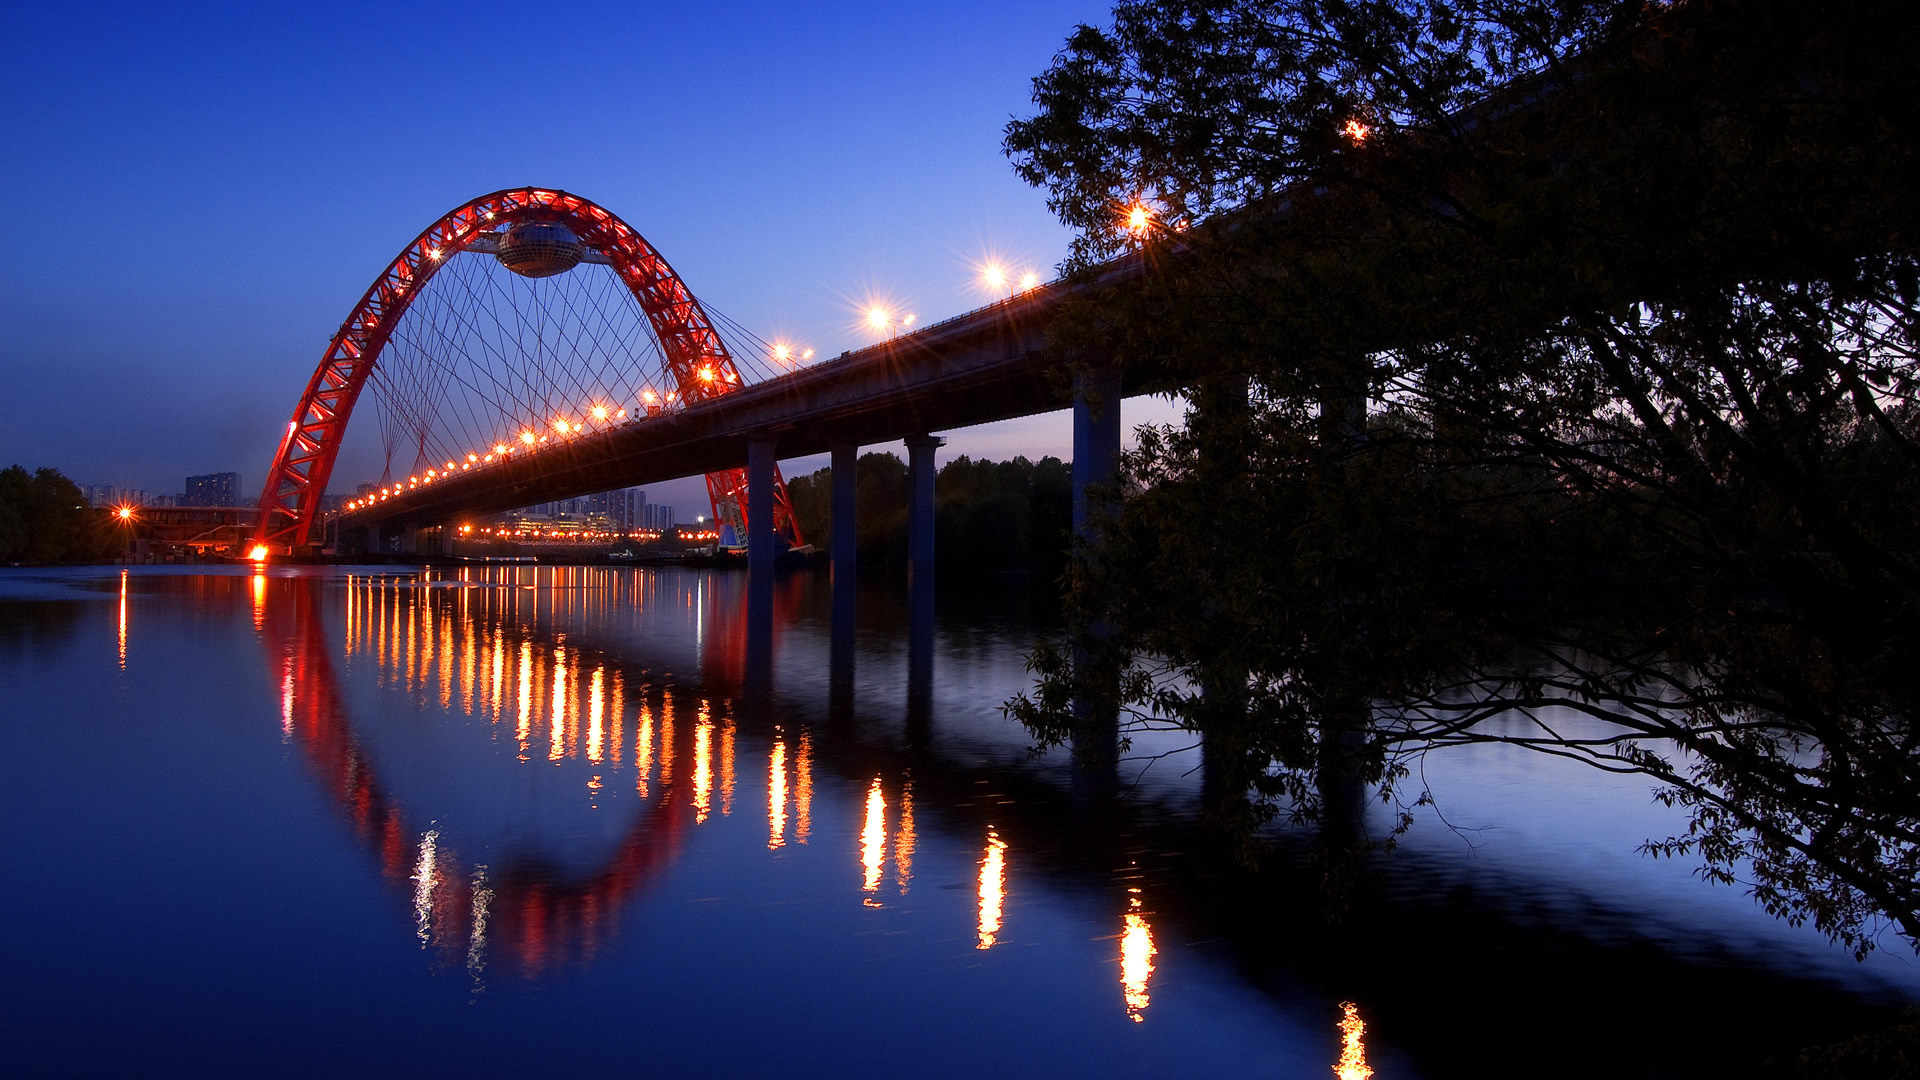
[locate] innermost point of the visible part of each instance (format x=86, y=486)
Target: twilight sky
x=201, y=192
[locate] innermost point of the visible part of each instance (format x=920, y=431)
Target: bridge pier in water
x=844, y=550
x=920, y=585
x=761, y=452
x=1096, y=462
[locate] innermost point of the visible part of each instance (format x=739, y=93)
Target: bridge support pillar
x=760, y=532
x=845, y=545
x=445, y=536
x=1096, y=461
x=920, y=510
x=845, y=550
x=1096, y=440
x=920, y=472
x=761, y=450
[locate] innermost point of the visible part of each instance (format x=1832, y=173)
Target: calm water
x=395, y=823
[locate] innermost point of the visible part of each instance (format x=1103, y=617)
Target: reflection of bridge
x=497, y=415
x=487, y=646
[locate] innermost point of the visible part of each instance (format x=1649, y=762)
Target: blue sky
x=200, y=192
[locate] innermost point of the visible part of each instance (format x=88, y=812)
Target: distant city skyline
x=229, y=184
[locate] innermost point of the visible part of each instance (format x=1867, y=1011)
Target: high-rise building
x=629, y=508
x=110, y=495
x=214, y=489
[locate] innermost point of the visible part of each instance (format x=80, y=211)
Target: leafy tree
x=44, y=518
x=1542, y=353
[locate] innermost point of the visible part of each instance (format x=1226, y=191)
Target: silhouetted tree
x=989, y=517
x=44, y=518
x=1541, y=353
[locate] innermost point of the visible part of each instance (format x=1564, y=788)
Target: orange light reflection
x=777, y=795
x=993, y=888
x=803, y=789
x=702, y=767
x=1136, y=959
x=873, y=842
x=1353, y=1053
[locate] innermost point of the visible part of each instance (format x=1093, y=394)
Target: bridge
x=580, y=424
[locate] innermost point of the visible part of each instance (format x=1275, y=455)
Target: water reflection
x=123, y=620
x=873, y=843
x=993, y=889
x=1136, y=957
x=454, y=647
x=904, y=840
x=777, y=794
x=1353, y=1053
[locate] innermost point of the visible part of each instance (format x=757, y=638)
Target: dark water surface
x=533, y=822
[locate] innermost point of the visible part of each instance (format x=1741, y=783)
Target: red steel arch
x=290, y=503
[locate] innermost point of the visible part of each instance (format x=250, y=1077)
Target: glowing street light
x=994, y=276
x=124, y=513
x=599, y=412
x=1029, y=280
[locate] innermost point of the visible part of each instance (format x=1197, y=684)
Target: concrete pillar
x=920, y=511
x=1096, y=439
x=760, y=541
x=845, y=554
x=760, y=457
x=920, y=472
x=446, y=537
x=1096, y=460
x=845, y=550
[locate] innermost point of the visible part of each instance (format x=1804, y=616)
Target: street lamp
x=879, y=319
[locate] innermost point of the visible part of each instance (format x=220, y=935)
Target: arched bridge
x=506, y=381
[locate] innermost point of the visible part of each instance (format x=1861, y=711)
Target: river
x=534, y=821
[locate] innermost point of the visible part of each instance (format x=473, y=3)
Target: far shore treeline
x=44, y=518
x=990, y=517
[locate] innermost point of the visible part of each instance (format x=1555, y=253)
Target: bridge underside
x=980, y=368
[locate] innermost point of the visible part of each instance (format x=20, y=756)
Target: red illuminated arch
x=290, y=502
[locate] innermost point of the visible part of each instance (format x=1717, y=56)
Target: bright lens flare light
x=1138, y=218
x=599, y=412
x=259, y=553
x=1356, y=131
x=124, y=513
x=879, y=318
x=782, y=351
x=1353, y=1053
x=1029, y=280
x=994, y=276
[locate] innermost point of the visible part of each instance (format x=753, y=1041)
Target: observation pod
x=538, y=249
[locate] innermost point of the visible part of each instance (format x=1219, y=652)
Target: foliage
x=44, y=518
x=1580, y=388
x=989, y=517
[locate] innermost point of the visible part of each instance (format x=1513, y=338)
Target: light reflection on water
x=530, y=865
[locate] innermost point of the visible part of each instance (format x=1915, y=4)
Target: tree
x=1541, y=352
x=989, y=517
x=44, y=518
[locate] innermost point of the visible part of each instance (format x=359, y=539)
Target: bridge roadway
x=986, y=365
